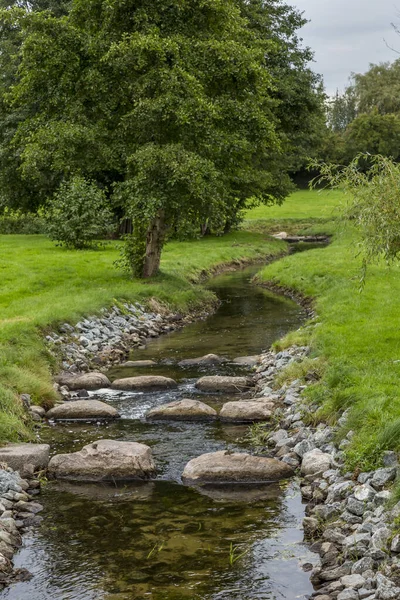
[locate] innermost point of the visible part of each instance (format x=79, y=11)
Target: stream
x=159, y=539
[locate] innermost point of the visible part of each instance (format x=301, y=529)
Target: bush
x=79, y=214
x=13, y=222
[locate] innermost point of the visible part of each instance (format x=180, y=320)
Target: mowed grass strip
x=42, y=285
x=357, y=337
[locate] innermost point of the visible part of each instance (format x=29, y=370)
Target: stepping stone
x=82, y=409
x=236, y=467
x=145, y=383
x=139, y=363
x=183, y=410
x=25, y=458
x=247, y=361
x=208, y=359
x=104, y=460
x=229, y=385
x=87, y=381
x=246, y=411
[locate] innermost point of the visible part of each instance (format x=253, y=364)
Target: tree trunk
x=154, y=242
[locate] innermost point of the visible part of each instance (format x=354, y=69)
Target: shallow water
x=160, y=539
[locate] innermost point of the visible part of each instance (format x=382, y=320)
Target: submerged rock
x=208, y=359
x=87, y=381
x=247, y=361
x=229, y=385
x=222, y=466
x=145, y=383
x=25, y=458
x=183, y=410
x=139, y=363
x=82, y=409
x=246, y=411
x=104, y=460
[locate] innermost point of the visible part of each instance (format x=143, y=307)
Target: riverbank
x=45, y=286
x=356, y=338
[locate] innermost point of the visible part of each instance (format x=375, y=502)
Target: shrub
x=14, y=222
x=79, y=214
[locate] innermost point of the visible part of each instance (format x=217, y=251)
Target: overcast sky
x=348, y=35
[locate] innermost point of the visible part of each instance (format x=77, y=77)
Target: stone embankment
x=18, y=509
x=107, y=339
x=350, y=524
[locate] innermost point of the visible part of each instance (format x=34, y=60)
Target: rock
x=356, y=544
x=353, y=581
x=311, y=526
x=139, y=363
x=82, y=409
x=362, y=565
x=25, y=458
x=389, y=459
x=386, y=589
x=225, y=467
x=383, y=476
x=303, y=447
x=88, y=381
x=183, y=410
x=336, y=573
x=364, y=493
x=315, y=462
x=395, y=546
x=229, y=385
x=348, y=595
x=38, y=410
x=104, y=460
x=246, y=411
x=145, y=383
x=356, y=507
x=208, y=359
x=380, y=538
x=247, y=361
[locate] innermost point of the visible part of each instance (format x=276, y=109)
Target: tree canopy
x=180, y=111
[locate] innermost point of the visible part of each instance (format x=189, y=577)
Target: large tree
x=182, y=110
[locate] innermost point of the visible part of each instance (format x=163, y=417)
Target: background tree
x=180, y=111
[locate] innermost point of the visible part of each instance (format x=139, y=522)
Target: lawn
x=43, y=284
x=357, y=337
x=301, y=205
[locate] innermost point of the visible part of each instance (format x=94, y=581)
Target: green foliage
x=183, y=111
x=372, y=133
x=373, y=203
x=16, y=221
x=78, y=215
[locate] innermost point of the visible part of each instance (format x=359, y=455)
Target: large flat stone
x=25, y=458
x=246, y=411
x=144, y=383
x=82, y=409
x=220, y=383
x=104, y=460
x=87, y=381
x=139, y=363
x=208, y=359
x=183, y=410
x=221, y=466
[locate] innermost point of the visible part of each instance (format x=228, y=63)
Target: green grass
x=42, y=285
x=358, y=335
x=301, y=205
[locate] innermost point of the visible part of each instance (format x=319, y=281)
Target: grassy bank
x=43, y=285
x=357, y=337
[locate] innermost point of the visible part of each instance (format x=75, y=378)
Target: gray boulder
x=236, y=467
x=183, y=410
x=145, y=383
x=139, y=363
x=104, y=460
x=246, y=411
x=25, y=458
x=208, y=359
x=88, y=381
x=82, y=409
x=315, y=462
x=228, y=385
